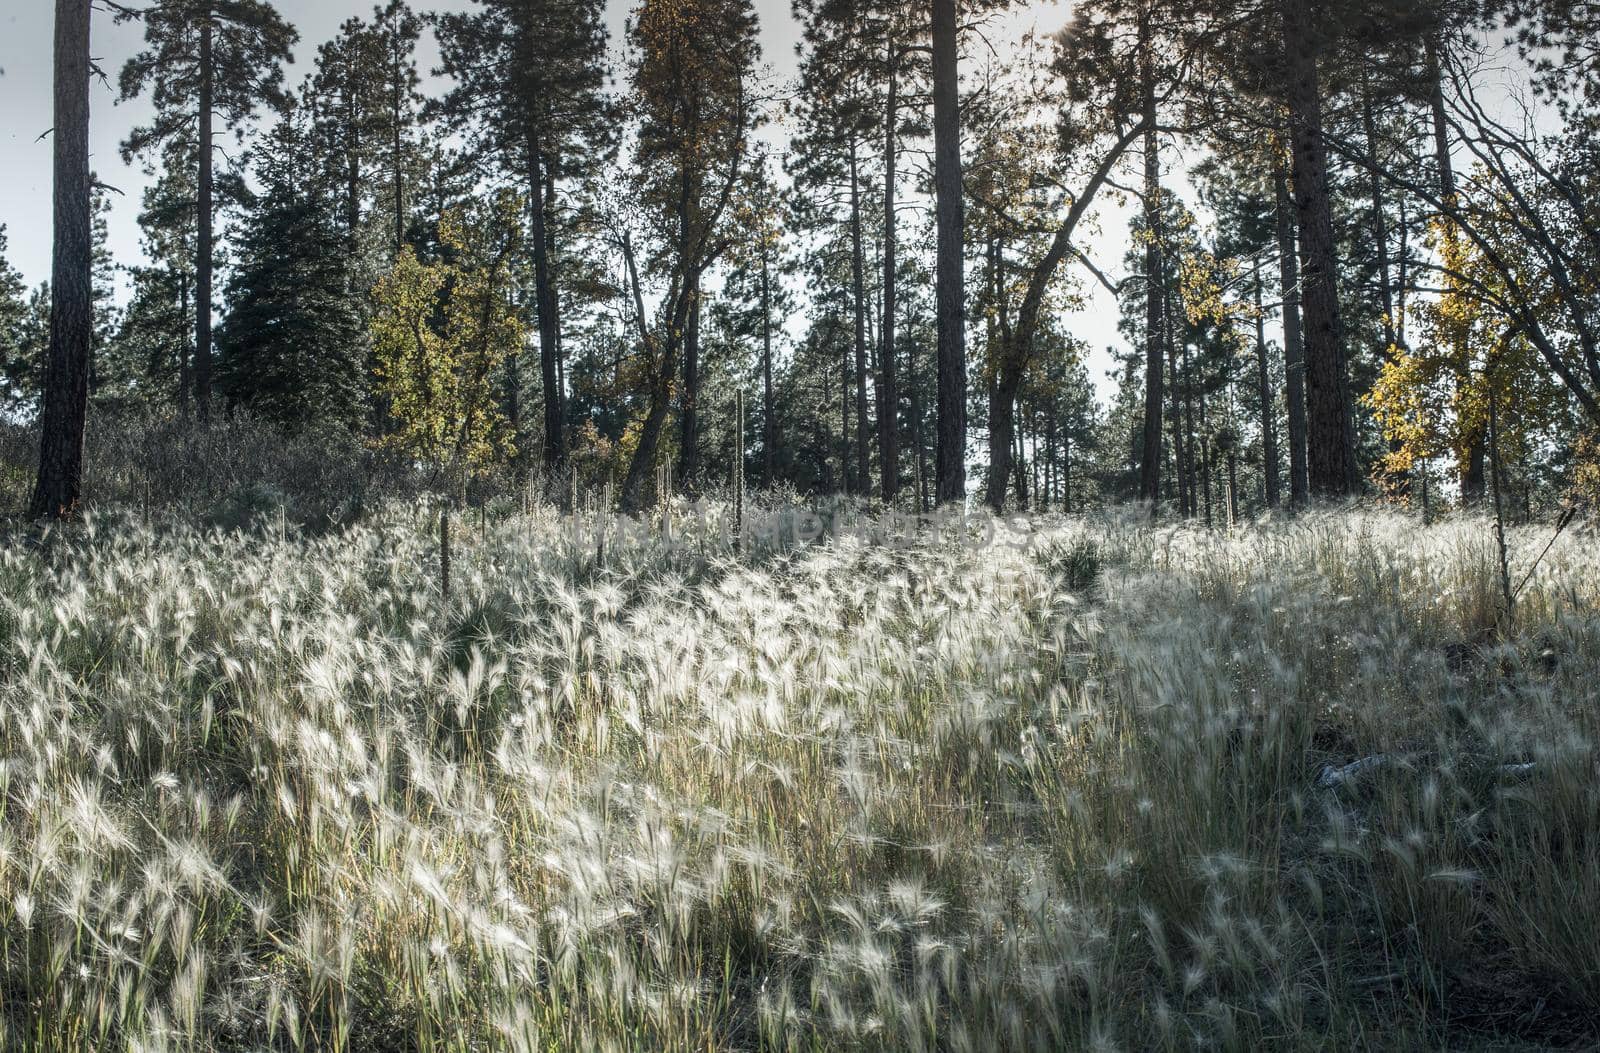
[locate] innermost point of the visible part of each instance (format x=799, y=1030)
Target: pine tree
x=154, y=341
x=530, y=79
x=291, y=345
x=365, y=106
x=206, y=59
x=692, y=82
x=949, y=278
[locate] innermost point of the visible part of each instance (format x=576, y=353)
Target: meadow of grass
x=265, y=790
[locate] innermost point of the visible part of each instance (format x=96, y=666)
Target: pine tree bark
x=1154, y=265
x=1397, y=482
x=544, y=293
x=1269, y=424
x=859, y=286
x=1471, y=469
x=185, y=380
x=397, y=93
x=1294, y=368
x=950, y=293
x=204, y=242
x=769, y=428
x=888, y=394
x=65, y=400
x=689, y=399
x=1331, y=464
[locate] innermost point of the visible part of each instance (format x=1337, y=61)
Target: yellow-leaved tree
x=445, y=333
x=1433, y=400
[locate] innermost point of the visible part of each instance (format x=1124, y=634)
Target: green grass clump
x=266, y=790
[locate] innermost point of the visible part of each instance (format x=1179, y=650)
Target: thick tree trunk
x=203, y=215
x=65, y=399
x=1269, y=424
x=1331, y=450
x=950, y=292
x=858, y=283
x=769, y=425
x=888, y=393
x=544, y=294
x=1294, y=369
x=1155, y=293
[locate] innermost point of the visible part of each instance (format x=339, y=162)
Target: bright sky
x=25, y=107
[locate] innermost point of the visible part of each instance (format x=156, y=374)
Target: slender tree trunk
x=1269, y=424
x=1331, y=447
x=1293, y=345
x=203, y=215
x=65, y=401
x=1004, y=382
x=888, y=394
x=554, y=265
x=769, y=424
x=859, y=286
x=1471, y=468
x=1396, y=482
x=1180, y=471
x=352, y=167
x=1380, y=226
x=397, y=144
x=1066, y=473
x=1155, y=293
x=847, y=468
x=1019, y=459
x=1192, y=438
x=185, y=330
x=689, y=401
x=917, y=437
x=544, y=293
x=1050, y=478
x=1233, y=487
x=950, y=294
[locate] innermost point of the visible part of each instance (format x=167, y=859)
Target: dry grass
x=267, y=792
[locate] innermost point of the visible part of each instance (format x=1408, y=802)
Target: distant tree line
x=1376, y=271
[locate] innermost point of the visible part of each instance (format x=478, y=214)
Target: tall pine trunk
x=203, y=215
x=1150, y=457
x=859, y=285
x=1294, y=367
x=1397, y=483
x=1269, y=424
x=769, y=424
x=65, y=400
x=888, y=395
x=949, y=280
x=689, y=400
x=1471, y=469
x=1331, y=464
x=397, y=130
x=544, y=293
